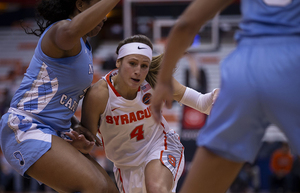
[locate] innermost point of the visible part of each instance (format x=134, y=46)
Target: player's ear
x=79, y=5
x=118, y=63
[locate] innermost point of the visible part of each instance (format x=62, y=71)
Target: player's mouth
x=135, y=80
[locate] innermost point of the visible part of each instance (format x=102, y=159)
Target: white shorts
x=132, y=179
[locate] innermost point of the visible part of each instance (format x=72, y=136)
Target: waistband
x=267, y=40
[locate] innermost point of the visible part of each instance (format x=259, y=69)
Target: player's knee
x=103, y=185
x=99, y=185
x=92, y=184
x=157, y=188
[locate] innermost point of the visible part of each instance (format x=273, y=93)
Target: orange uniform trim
x=179, y=163
x=110, y=83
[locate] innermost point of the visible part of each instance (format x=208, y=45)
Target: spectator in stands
x=60, y=72
x=281, y=164
x=260, y=85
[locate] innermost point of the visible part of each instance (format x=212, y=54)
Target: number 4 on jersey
x=137, y=132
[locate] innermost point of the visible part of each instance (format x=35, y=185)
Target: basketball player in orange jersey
x=148, y=157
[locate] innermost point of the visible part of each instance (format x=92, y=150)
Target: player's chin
x=94, y=32
x=135, y=84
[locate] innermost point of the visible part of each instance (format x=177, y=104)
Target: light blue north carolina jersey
x=52, y=87
x=269, y=17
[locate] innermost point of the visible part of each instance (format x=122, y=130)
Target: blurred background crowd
x=275, y=169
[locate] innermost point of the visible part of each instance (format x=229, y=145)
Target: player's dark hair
x=156, y=60
x=51, y=11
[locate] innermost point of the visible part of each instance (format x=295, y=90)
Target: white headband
x=135, y=48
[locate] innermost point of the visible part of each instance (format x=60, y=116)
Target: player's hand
x=79, y=142
x=163, y=93
x=208, y=100
x=87, y=134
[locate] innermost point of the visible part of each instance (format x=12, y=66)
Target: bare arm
x=188, y=25
x=84, y=136
x=179, y=90
x=65, y=35
x=180, y=38
x=68, y=33
x=93, y=106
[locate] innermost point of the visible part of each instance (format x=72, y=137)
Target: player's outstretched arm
x=193, y=98
x=94, y=104
x=180, y=38
x=66, y=34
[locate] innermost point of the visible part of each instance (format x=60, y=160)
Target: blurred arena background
x=198, y=69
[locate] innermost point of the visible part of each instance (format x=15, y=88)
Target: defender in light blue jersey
x=260, y=82
x=51, y=87
x=59, y=74
x=260, y=85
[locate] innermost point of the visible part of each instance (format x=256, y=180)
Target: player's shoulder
x=97, y=97
x=100, y=84
x=99, y=90
x=58, y=25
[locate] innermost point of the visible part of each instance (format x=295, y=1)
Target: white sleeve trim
x=197, y=100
